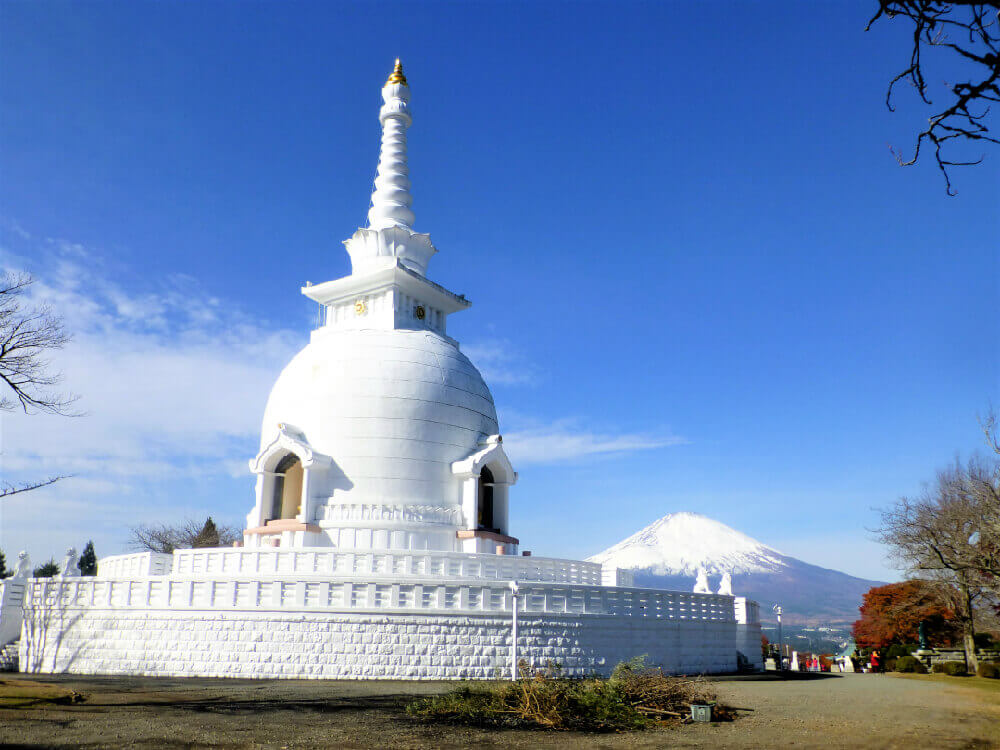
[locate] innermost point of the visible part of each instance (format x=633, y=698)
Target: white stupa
x=381, y=434
x=378, y=545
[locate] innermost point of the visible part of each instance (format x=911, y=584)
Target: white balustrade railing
x=366, y=594
x=399, y=563
x=135, y=564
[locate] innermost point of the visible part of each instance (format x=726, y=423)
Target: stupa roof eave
x=331, y=292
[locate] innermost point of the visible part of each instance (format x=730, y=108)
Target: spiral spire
x=391, y=200
x=389, y=239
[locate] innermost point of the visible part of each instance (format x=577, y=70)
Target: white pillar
x=513, y=631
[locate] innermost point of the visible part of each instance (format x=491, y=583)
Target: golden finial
x=397, y=74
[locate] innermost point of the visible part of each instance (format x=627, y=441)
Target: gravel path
x=849, y=711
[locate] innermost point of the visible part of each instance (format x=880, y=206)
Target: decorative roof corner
x=288, y=440
x=490, y=453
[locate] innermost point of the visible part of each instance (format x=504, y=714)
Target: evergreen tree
x=208, y=536
x=3, y=566
x=46, y=570
x=88, y=560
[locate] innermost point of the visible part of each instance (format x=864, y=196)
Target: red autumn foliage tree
x=892, y=614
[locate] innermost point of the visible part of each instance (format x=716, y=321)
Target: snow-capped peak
x=681, y=543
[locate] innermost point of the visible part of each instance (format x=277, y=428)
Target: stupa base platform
x=366, y=625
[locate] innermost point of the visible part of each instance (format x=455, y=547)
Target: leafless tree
x=970, y=31
x=28, y=334
x=948, y=534
x=162, y=537
x=990, y=422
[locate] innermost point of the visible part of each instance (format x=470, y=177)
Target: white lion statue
x=701, y=583
x=726, y=584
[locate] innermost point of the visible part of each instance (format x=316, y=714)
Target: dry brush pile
x=634, y=697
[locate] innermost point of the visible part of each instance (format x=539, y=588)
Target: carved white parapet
x=374, y=249
x=361, y=513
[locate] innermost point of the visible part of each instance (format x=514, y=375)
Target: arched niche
x=286, y=469
x=486, y=477
x=286, y=488
x=484, y=500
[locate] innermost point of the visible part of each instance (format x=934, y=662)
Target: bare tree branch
x=7, y=489
x=27, y=335
x=978, y=43
x=162, y=537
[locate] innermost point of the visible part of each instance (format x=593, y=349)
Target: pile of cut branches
x=634, y=697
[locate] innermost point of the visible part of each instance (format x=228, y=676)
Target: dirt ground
x=842, y=711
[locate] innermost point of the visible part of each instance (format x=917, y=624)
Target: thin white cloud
x=500, y=362
x=565, y=440
x=172, y=386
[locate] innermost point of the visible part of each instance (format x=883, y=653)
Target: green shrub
x=910, y=664
x=634, y=697
x=954, y=668
x=985, y=640
x=900, y=649
x=989, y=669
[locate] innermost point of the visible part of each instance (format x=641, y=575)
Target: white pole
x=781, y=646
x=513, y=631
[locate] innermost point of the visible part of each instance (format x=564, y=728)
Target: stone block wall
x=11, y=611
x=748, y=644
x=93, y=640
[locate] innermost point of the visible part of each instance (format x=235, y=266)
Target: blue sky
x=700, y=280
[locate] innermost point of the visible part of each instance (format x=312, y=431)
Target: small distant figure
x=701, y=583
x=876, y=662
x=69, y=567
x=726, y=584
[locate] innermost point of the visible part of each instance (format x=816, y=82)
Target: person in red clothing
x=876, y=662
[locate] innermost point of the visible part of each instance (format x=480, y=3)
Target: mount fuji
x=668, y=553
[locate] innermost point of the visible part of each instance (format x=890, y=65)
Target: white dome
x=392, y=409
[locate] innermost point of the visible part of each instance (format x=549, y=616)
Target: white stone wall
x=11, y=597
x=748, y=631
x=748, y=644
x=357, y=646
